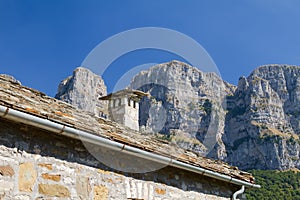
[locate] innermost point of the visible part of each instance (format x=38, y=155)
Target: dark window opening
x=129, y=102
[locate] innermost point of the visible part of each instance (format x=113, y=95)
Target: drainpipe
x=18, y=116
x=240, y=191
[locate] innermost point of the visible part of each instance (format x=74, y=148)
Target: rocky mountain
x=82, y=90
x=263, y=120
x=187, y=105
x=255, y=125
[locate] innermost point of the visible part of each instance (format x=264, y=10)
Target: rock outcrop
x=255, y=125
x=82, y=90
x=258, y=128
x=187, y=106
x=263, y=120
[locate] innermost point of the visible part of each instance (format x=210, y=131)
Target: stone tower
x=123, y=107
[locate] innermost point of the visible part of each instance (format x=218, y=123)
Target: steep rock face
x=83, y=89
x=262, y=124
x=187, y=106
x=285, y=81
x=255, y=125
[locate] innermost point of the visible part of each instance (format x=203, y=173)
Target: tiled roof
x=30, y=101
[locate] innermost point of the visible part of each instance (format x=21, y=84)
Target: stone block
x=53, y=177
x=100, y=192
x=27, y=177
x=6, y=171
x=82, y=187
x=54, y=190
x=45, y=165
x=160, y=191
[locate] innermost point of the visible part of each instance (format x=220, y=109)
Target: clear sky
x=43, y=41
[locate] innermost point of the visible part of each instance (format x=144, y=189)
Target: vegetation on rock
x=275, y=185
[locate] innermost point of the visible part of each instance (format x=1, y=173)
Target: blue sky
x=43, y=41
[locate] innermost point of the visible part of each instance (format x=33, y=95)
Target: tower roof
x=135, y=94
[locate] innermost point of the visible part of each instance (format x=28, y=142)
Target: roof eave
x=126, y=92
x=18, y=116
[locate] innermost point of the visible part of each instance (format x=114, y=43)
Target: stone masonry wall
x=35, y=164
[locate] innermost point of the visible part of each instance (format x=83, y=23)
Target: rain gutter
x=18, y=116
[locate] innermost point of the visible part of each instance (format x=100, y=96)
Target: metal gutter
x=48, y=125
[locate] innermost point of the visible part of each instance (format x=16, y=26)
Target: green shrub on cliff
x=275, y=185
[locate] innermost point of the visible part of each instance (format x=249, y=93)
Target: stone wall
x=35, y=164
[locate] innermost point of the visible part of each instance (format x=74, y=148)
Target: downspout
x=240, y=191
x=55, y=127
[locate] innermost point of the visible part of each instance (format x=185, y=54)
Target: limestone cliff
x=255, y=125
x=187, y=106
x=262, y=124
x=82, y=90
x=258, y=127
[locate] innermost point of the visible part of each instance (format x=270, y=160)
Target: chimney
x=123, y=107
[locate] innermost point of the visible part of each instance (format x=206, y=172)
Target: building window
x=129, y=101
x=134, y=104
